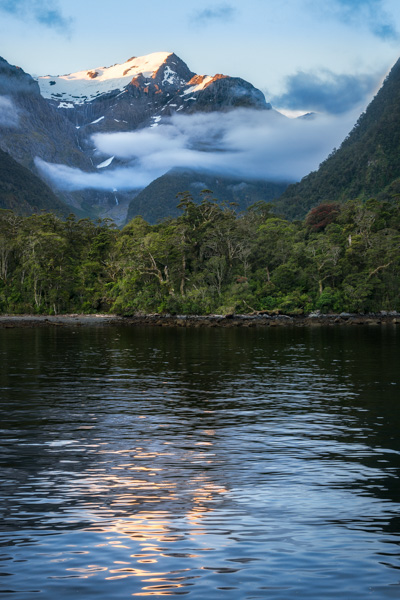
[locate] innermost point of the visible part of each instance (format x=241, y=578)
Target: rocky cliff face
x=118, y=98
x=223, y=93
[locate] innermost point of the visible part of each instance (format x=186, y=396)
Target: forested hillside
x=366, y=165
x=341, y=258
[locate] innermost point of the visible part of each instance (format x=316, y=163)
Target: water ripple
x=224, y=463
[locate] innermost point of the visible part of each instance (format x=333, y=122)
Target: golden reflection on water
x=124, y=492
x=148, y=515
x=141, y=515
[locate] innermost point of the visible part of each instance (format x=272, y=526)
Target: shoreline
x=196, y=321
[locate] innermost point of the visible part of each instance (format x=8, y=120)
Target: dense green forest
x=208, y=260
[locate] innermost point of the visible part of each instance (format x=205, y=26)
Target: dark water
x=230, y=464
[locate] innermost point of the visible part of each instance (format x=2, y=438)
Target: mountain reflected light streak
x=146, y=462
x=146, y=528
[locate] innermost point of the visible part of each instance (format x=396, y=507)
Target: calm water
x=231, y=464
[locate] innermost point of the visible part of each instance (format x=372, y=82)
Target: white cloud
x=221, y=12
x=371, y=13
x=73, y=179
x=244, y=143
x=136, y=143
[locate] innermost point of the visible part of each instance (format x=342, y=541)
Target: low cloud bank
x=72, y=179
x=243, y=144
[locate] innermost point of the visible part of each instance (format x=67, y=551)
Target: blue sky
x=322, y=55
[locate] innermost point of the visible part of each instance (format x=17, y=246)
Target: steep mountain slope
x=33, y=128
x=23, y=192
x=159, y=199
x=367, y=163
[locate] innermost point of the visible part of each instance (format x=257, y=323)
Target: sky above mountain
x=305, y=55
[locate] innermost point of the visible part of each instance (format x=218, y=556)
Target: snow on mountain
x=85, y=86
x=142, y=95
x=137, y=91
x=106, y=163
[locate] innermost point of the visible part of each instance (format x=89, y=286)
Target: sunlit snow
x=200, y=86
x=85, y=86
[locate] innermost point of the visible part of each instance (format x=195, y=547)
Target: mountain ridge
x=53, y=121
x=37, y=128
x=142, y=91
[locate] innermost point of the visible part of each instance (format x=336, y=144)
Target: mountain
x=159, y=199
x=366, y=165
x=23, y=192
x=141, y=92
x=144, y=92
x=51, y=122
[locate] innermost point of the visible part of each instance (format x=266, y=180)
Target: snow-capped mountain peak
x=85, y=86
x=65, y=119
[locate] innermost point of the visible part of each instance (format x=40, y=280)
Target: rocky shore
x=260, y=319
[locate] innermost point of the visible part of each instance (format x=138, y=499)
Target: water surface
x=215, y=463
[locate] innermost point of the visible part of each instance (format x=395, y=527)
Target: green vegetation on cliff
x=366, y=165
x=207, y=260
